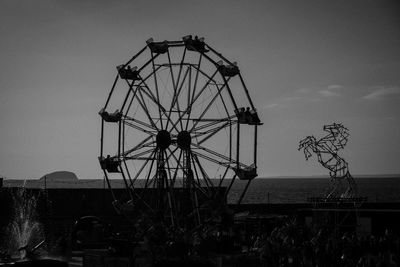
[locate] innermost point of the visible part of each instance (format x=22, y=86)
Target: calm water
x=292, y=190
x=261, y=190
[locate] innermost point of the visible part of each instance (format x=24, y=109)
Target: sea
x=297, y=190
x=260, y=190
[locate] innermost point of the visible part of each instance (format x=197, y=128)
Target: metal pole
x=112, y=90
x=237, y=146
x=123, y=139
x=101, y=138
x=135, y=56
x=246, y=91
x=119, y=139
x=244, y=192
x=255, y=146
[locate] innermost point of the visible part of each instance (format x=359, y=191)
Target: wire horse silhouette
x=326, y=150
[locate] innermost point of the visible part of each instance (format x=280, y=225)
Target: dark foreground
x=301, y=234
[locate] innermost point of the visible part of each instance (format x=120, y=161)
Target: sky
x=306, y=64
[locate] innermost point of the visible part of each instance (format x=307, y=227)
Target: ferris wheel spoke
x=138, y=173
x=206, y=178
x=129, y=175
x=210, y=133
x=172, y=153
x=143, y=80
x=161, y=107
x=126, y=183
x=221, y=159
x=139, y=122
x=171, y=71
x=132, y=188
x=224, y=105
x=196, y=78
x=127, y=96
x=173, y=88
x=152, y=97
x=157, y=92
x=223, y=177
x=176, y=97
x=213, y=160
x=180, y=68
x=213, y=132
x=210, y=79
x=170, y=175
x=148, y=62
x=191, y=100
x=221, y=156
x=195, y=99
x=147, y=180
x=189, y=89
x=175, y=92
x=223, y=77
x=139, y=155
x=192, y=158
x=142, y=103
x=200, y=118
x=139, y=87
x=209, y=105
x=139, y=146
x=214, y=122
x=132, y=98
x=181, y=167
x=137, y=127
x=170, y=193
x=147, y=92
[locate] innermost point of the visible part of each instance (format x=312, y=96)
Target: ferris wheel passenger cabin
x=128, y=73
x=247, y=116
x=230, y=70
x=157, y=47
x=110, y=117
x=196, y=44
x=248, y=173
x=110, y=164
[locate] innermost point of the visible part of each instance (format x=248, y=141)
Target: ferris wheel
x=178, y=128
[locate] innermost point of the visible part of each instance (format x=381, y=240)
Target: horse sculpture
x=326, y=150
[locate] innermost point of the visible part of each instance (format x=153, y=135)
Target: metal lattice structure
x=326, y=150
x=184, y=124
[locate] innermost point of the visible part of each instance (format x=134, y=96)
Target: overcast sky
x=306, y=64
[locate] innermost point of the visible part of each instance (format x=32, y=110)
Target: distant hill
x=59, y=176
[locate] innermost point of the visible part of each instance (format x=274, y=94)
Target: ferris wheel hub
x=163, y=139
x=184, y=140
